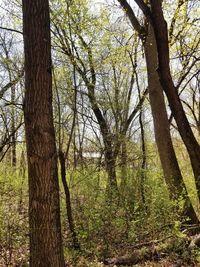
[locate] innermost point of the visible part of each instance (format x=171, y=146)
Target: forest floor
x=165, y=262
x=162, y=263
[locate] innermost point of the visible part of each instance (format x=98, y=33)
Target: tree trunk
x=123, y=167
x=144, y=160
x=172, y=173
x=13, y=138
x=161, y=34
x=110, y=161
x=44, y=208
x=166, y=152
x=22, y=175
x=70, y=218
x=110, y=155
x=171, y=170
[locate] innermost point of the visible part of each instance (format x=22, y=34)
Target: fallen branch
x=195, y=241
x=136, y=257
x=147, y=244
x=149, y=250
x=191, y=230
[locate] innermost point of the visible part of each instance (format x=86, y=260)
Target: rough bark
x=44, y=211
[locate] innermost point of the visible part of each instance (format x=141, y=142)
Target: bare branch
x=11, y=83
x=11, y=30
x=145, y=9
x=131, y=15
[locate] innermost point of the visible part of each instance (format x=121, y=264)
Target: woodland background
x=127, y=136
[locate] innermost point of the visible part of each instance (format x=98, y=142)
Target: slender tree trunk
x=70, y=218
x=13, y=138
x=166, y=152
x=144, y=159
x=161, y=34
x=63, y=157
x=22, y=176
x=154, y=49
x=171, y=170
x=13, y=113
x=110, y=156
x=123, y=166
x=44, y=208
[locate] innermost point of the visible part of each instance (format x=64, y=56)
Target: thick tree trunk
x=161, y=34
x=44, y=211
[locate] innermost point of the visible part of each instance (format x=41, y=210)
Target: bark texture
x=44, y=211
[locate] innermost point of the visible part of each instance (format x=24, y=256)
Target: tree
x=171, y=170
x=11, y=113
x=156, y=18
x=44, y=211
x=111, y=105
x=162, y=131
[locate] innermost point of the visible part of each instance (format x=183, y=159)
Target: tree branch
x=10, y=30
x=136, y=109
x=145, y=9
x=10, y=84
x=131, y=15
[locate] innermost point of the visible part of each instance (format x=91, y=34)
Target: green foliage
x=13, y=221
x=104, y=229
x=142, y=211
